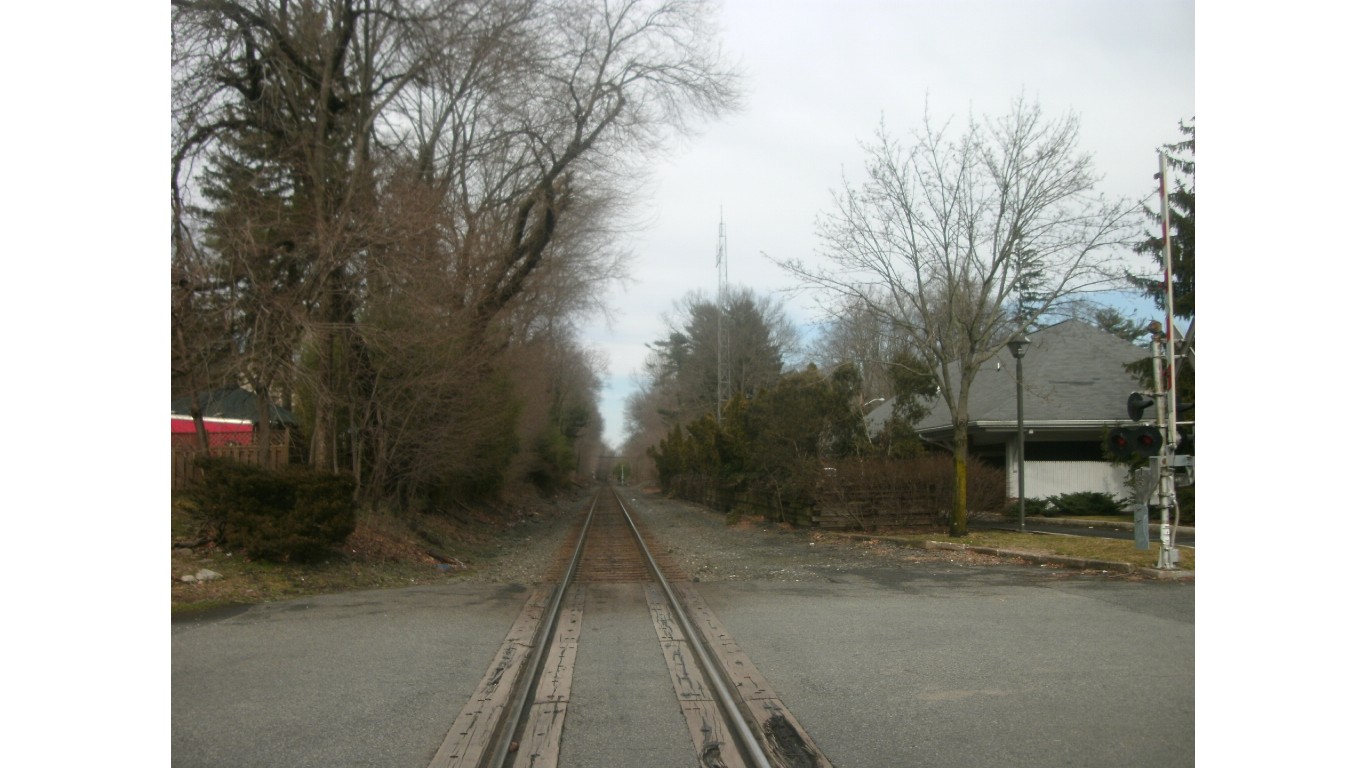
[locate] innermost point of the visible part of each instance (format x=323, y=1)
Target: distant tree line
x=778, y=426
x=392, y=215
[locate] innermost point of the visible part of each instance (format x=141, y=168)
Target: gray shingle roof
x=230, y=404
x=1073, y=372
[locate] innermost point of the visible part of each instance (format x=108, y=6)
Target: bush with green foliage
x=1185, y=500
x=1033, y=507
x=1084, y=504
x=766, y=451
x=553, y=464
x=1078, y=504
x=289, y=515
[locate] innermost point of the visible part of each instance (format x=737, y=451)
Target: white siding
x=1051, y=478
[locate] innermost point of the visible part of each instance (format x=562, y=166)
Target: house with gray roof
x=1075, y=387
x=232, y=403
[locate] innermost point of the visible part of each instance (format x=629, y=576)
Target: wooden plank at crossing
x=706, y=667
x=787, y=743
x=734, y=663
x=475, y=726
x=545, y=720
x=711, y=738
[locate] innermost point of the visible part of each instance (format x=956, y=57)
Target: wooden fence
x=897, y=494
x=183, y=454
x=863, y=494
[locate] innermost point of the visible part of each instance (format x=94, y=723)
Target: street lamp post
x=1017, y=345
x=864, y=417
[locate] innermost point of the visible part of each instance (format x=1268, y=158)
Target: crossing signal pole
x=1158, y=442
x=1163, y=440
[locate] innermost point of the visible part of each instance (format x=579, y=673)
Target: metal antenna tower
x=722, y=332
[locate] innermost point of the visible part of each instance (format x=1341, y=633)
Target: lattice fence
x=916, y=492
x=238, y=446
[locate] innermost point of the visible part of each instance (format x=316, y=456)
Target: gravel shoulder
x=701, y=542
x=753, y=549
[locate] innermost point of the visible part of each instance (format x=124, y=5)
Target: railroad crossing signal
x=1143, y=442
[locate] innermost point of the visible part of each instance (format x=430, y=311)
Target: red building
x=221, y=431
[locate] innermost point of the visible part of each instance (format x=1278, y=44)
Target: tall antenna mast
x=722, y=333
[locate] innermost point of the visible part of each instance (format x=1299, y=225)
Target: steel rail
x=720, y=686
x=516, y=710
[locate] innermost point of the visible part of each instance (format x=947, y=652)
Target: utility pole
x=1018, y=344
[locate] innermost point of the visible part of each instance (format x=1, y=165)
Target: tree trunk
x=201, y=433
x=958, y=518
x=263, y=431
x=322, y=449
x=333, y=311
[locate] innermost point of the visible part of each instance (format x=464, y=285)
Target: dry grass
x=383, y=552
x=1089, y=547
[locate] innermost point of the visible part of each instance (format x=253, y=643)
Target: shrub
x=1185, y=499
x=1033, y=507
x=1084, y=504
x=553, y=464
x=289, y=515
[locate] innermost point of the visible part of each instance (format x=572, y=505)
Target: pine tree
x=1181, y=201
x=1181, y=204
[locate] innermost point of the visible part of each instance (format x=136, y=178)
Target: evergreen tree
x=683, y=368
x=1181, y=202
x=914, y=388
x=1114, y=322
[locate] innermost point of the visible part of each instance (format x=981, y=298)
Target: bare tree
x=857, y=335
x=382, y=197
x=533, y=113
x=525, y=131
x=961, y=243
x=275, y=107
x=559, y=428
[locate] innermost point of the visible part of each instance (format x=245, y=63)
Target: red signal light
x=1126, y=442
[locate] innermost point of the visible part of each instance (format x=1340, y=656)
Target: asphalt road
x=987, y=669
x=884, y=666
x=361, y=679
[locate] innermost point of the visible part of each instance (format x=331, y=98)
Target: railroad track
x=517, y=715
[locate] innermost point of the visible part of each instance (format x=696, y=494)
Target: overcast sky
x=819, y=77
x=86, y=308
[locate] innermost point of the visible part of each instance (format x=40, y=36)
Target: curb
x=1119, y=525
x=1065, y=561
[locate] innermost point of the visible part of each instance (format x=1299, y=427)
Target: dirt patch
x=502, y=545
